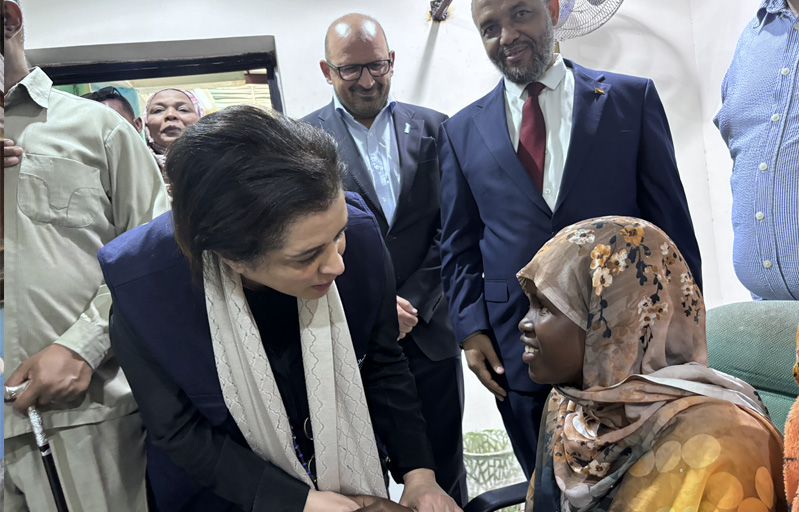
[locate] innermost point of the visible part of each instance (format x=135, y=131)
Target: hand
x=480, y=356
x=55, y=374
x=407, y=316
x=326, y=501
x=375, y=504
x=11, y=153
x=423, y=494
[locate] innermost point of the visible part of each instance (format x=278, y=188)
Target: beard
x=361, y=108
x=542, y=50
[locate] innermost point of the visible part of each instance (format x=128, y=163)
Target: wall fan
x=579, y=17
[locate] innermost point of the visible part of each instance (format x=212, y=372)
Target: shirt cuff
x=472, y=335
x=88, y=340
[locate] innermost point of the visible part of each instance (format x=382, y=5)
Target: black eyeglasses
x=352, y=72
x=106, y=93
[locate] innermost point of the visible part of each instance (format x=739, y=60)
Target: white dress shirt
x=380, y=152
x=557, y=104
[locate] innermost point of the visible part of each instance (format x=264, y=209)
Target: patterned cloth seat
x=756, y=341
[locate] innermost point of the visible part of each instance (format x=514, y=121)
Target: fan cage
x=580, y=17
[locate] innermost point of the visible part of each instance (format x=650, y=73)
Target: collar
x=551, y=79
x=391, y=103
x=38, y=86
x=771, y=7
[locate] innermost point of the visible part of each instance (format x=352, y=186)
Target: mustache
x=519, y=45
x=358, y=88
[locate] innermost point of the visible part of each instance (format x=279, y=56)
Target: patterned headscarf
x=624, y=281
x=158, y=151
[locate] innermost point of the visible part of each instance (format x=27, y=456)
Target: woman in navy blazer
x=258, y=198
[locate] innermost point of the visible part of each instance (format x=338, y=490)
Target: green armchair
x=756, y=341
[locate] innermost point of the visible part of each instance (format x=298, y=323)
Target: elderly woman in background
x=166, y=116
x=636, y=420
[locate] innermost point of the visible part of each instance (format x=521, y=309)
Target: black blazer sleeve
x=391, y=392
x=661, y=196
x=208, y=455
x=423, y=288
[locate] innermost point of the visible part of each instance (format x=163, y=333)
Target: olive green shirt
x=85, y=178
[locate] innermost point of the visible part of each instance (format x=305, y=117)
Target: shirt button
x=371, y=134
x=547, y=191
x=796, y=26
x=766, y=263
x=786, y=71
x=763, y=166
x=775, y=117
x=760, y=216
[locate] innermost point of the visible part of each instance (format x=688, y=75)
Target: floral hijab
x=626, y=283
x=158, y=151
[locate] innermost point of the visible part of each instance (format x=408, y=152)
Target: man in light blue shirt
x=759, y=121
x=392, y=162
x=377, y=145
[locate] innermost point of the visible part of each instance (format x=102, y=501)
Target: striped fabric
x=759, y=121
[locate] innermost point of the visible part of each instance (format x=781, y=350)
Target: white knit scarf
x=344, y=442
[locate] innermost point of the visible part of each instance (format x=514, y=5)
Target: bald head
x=359, y=65
x=353, y=27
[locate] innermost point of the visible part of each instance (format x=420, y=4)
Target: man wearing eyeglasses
x=390, y=150
x=112, y=98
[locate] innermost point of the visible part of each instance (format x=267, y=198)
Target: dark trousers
x=440, y=388
x=521, y=414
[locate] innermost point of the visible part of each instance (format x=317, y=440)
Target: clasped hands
x=421, y=494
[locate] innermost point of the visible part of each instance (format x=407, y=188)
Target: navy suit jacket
x=413, y=240
x=160, y=334
x=620, y=161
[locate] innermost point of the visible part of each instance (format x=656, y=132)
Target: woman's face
x=309, y=261
x=553, y=344
x=168, y=115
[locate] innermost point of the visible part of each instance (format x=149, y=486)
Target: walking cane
x=44, y=448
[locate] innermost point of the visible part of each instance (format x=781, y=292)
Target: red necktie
x=533, y=136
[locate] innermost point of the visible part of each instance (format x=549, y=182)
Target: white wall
x=682, y=44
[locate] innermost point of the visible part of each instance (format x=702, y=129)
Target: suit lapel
x=357, y=172
x=491, y=122
x=588, y=105
x=409, y=140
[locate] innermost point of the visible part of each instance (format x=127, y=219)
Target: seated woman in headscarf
x=636, y=420
x=167, y=114
x=263, y=357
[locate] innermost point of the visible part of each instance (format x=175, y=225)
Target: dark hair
x=241, y=176
x=111, y=93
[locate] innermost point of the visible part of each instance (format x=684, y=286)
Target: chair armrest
x=496, y=499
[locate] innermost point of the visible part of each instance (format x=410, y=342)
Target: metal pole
x=438, y=9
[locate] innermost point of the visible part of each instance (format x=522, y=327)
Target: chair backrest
x=756, y=341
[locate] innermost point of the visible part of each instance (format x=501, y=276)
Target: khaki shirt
x=85, y=178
